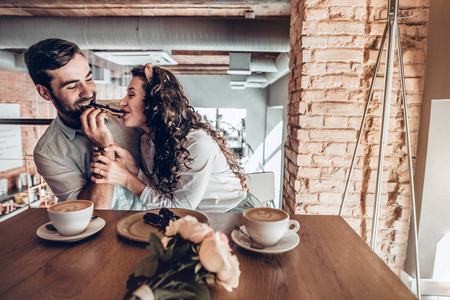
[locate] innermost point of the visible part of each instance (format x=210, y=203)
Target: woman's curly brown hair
x=171, y=118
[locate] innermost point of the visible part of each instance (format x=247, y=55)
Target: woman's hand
x=94, y=127
x=112, y=172
x=122, y=156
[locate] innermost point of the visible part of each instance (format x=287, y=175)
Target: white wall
x=435, y=208
x=278, y=92
x=276, y=117
x=429, y=207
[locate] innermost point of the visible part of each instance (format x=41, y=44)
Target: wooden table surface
x=331, y=262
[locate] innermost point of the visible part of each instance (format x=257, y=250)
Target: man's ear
x=44, y=92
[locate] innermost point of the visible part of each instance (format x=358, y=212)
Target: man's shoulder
x=47, y=137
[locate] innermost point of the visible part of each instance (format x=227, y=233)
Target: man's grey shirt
x=63, y=157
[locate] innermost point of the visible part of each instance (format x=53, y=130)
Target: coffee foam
x=265, y=214
x=69, y=206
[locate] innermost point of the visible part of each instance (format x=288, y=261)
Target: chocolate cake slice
x=161, y=221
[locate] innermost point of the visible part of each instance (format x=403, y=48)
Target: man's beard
x=73, y=112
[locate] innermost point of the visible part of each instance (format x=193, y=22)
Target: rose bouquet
x=184, y=263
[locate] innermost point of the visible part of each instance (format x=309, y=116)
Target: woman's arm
x=122, y=156
x=114, y=172
x=194, y=181
x=190, y=189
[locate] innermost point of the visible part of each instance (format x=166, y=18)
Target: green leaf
x=163, y=294
x=201, y=292
x=146, y=266
x=180, y=250
x=168, y=254
x=155, y=246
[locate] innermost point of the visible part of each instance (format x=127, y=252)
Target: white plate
x=53, y=235
x=288, y=242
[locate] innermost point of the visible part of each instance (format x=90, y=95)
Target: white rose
x=189, y=228
x=229, y=278
x=173, y=227
x=195, y=231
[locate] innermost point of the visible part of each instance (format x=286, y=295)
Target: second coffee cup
x=268, y=225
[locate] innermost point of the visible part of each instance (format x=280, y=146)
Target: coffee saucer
x=288, y=242
x=53, y=235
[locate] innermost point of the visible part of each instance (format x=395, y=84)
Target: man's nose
x=87, y=90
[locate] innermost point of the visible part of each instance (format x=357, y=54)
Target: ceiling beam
x=82, y=8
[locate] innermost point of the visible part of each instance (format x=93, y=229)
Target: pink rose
x=190, y=229
x=215, y=256
x=213, y=253
x=229, y=278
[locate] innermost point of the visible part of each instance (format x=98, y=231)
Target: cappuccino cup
x=268, y=225
x=71, y=217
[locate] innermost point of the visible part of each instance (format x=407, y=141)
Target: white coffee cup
x=268, y=225
x=71, y=217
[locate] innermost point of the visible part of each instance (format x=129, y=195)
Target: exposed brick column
x=334, y=46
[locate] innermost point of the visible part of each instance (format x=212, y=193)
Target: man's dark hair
x=49, y=54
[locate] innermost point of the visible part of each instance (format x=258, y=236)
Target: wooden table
x=331, y=262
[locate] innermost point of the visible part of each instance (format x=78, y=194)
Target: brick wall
x=334, y=47
x=17, y=87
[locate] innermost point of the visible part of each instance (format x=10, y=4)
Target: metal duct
x=282, y=64
x=262, y=64
x=149, y=33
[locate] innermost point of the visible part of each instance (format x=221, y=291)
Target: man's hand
x=94, y=127
x=123, y=157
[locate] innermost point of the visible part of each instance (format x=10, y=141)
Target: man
x=63, y=154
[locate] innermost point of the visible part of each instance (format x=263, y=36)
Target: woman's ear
x=44, y=92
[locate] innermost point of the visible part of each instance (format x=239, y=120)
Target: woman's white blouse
x=209, y=185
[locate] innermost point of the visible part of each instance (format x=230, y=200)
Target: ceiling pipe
x=263, y=64
x=282, y=64
x=149, y=33
x=263, y=80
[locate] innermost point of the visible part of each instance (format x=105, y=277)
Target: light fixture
x=132, y=58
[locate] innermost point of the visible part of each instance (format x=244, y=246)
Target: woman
x=186, y=163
